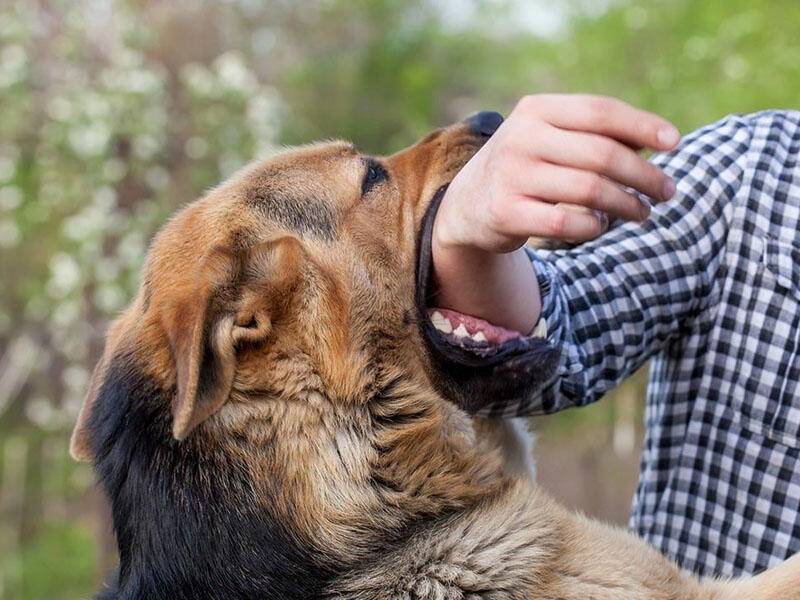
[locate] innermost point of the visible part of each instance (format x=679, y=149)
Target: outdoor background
x=114, y=112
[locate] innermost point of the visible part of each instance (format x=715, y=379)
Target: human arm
x=613, y=302
x=553, y=169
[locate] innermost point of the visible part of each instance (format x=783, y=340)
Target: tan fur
x=322, y=388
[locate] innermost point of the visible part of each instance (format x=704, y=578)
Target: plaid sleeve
x=612, y=303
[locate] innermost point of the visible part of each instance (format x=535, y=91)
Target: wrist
x=499, y=288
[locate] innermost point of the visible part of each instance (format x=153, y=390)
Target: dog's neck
x=358, y=476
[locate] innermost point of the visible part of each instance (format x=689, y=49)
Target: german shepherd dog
x=275, y=416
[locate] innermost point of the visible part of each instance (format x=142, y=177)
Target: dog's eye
x=374, y=174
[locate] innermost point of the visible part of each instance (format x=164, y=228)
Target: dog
x=277, y=416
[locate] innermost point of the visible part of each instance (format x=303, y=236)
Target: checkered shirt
x=709, y=291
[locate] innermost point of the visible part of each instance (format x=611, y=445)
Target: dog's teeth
x=461, y=331
x=440, y=323
x=541, y=329
x=479, y=337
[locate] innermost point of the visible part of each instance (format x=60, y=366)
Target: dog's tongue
x=459, y=325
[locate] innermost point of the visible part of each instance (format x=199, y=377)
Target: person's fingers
x=605, y=116
x=589, y=212
x=524, y=218
x=558, y=184
x=603, y=155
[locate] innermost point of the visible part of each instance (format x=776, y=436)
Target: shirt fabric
x=709, y=290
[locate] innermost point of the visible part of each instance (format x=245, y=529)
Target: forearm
x=499, y=288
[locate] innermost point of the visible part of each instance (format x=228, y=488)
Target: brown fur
x=280, y=308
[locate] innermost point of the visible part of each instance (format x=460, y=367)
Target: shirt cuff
x=555, y=318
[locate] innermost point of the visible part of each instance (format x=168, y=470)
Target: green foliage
x=59, y=564
x=393, y=74
x=693, y=62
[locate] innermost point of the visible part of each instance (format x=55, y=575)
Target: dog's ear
x=242, y=295
x=80, y=444
x=234, y=300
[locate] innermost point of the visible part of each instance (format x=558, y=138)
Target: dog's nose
x=485, y=122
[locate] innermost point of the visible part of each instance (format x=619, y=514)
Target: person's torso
x=720, y=481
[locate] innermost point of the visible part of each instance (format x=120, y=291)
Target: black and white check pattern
x=709, y=289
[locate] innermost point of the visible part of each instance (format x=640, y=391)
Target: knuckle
x=592, y=187
x=556, y=225
x=606, y=155
x=496, y=216
x=598, y=106
x=528, y=104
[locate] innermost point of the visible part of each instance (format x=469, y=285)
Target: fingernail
x=669, y=188
x=644, y=211
x=668, y=136
x=603, y=218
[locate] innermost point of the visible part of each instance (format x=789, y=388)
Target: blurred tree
x=104, y=131
x=694, y=62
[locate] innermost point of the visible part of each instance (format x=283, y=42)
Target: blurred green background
x=114, y=112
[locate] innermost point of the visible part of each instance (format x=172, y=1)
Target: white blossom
x=9, y=233
x=89, y=139
x=10, y=197
x=65, y=274
x=233, y=73
x=196, y=147
x=8, y=166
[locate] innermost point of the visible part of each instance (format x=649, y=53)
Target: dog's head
x=307, y=269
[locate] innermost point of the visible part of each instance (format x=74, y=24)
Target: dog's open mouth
x=473, y=332
x=477, y=363
x=458, y=330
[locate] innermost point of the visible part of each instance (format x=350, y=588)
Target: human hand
x=554, y=169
